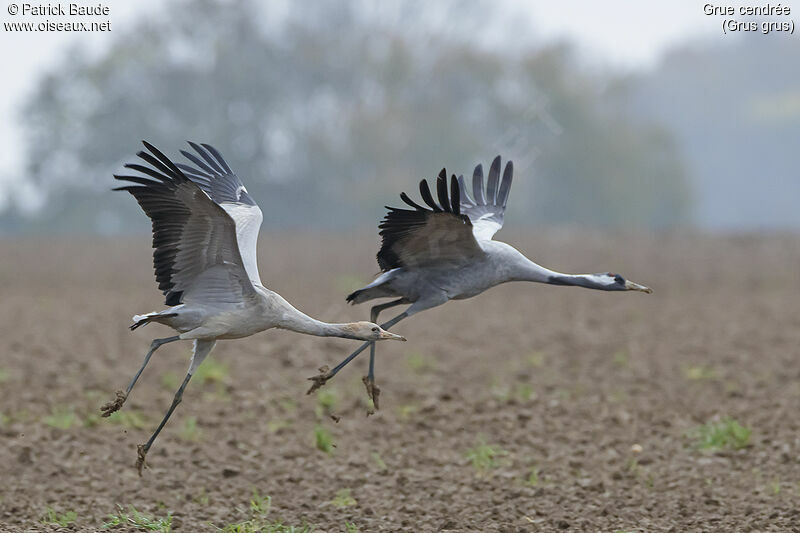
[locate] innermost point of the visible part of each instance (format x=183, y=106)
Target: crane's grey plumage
x=445, y=251
x=205, y=230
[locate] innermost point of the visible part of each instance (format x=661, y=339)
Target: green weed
x=129, y=418
x=726, y=433
x=211, y=371
x=537, y=359
x=170, y=381
x=260, y=505
x=4, y=375
x=484, y=456
x=274, y=426
x=190, y=431
x=61, y=418
x=533, y=477
x=51, y=516
x=621, y=358
x=139, y=520
x=419, y=363
x=351, y=528
x=326, y=401
x=201, y=497
x=699, y=373
x=323, y=439
x=378, y=460
x=343, y=498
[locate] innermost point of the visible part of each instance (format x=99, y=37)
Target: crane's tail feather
x=143, y=320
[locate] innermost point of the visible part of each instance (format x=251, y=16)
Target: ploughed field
x=528, y=408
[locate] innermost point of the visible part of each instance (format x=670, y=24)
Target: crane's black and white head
x=367, y=331
x=605, y=281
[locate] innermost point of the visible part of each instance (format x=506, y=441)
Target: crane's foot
x=141, y=452
x=114, y=405
x=373, y=392
x=320, y=379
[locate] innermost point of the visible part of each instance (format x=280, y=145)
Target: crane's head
x=367, y=331
x=614, y=282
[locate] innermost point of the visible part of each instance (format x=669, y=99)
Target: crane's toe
x=114, y=405
x=373, y=391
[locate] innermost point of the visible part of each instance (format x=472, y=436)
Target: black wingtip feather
x=441, y=191
x=409, y=201
x=427, y=197
x=455, y=195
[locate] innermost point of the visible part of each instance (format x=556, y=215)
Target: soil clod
x=114, y=405
x=141, y=452
x=373, y=392
x=319, y=380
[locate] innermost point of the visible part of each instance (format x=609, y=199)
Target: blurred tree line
x=329, y=112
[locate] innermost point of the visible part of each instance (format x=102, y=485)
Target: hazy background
x=622, y=116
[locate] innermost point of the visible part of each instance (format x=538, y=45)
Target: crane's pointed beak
x=631, y=286
x=385, y=335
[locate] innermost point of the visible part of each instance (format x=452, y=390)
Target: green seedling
x=533, y=477
x=485, y=457
x=190, y=431
x=326, y=401
x=621, y=358
x=273, y=426
x=378, y=461
x=351, y=528
x=419, y=363
x=61, y=418
x=4, y=375
x=211, y=371
x=51, y=516
x=726, y=433
x=170, y=381
x=537, y=359
x=699, y=373
x=343, y=498
x=201, y=497
x=139, y=520
x=323, y=439
x=260, y=505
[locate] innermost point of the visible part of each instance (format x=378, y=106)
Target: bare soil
x=589, y=399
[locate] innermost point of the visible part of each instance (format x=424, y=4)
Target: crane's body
x=445, y=251
x=205, y=231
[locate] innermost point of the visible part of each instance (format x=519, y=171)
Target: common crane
x=445, y=251
x=205, y=229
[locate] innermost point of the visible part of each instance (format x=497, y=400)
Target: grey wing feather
x=486, y=211
x=214, y=176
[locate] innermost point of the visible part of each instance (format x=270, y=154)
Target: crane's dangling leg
x=201, y=349
x=325, y=375
x=116, y=404
x=369, y=380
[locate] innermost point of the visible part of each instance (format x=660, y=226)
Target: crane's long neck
x=526, y=270
x=300, y=322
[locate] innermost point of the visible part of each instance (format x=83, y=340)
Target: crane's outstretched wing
x=196, y=254
x=486, y=210
x=214, y=176
x=439, y=236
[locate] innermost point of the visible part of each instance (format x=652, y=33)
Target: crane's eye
x=375, y=330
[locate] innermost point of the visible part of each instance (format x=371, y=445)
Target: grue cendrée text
x=205, y=231
x=445, y=252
